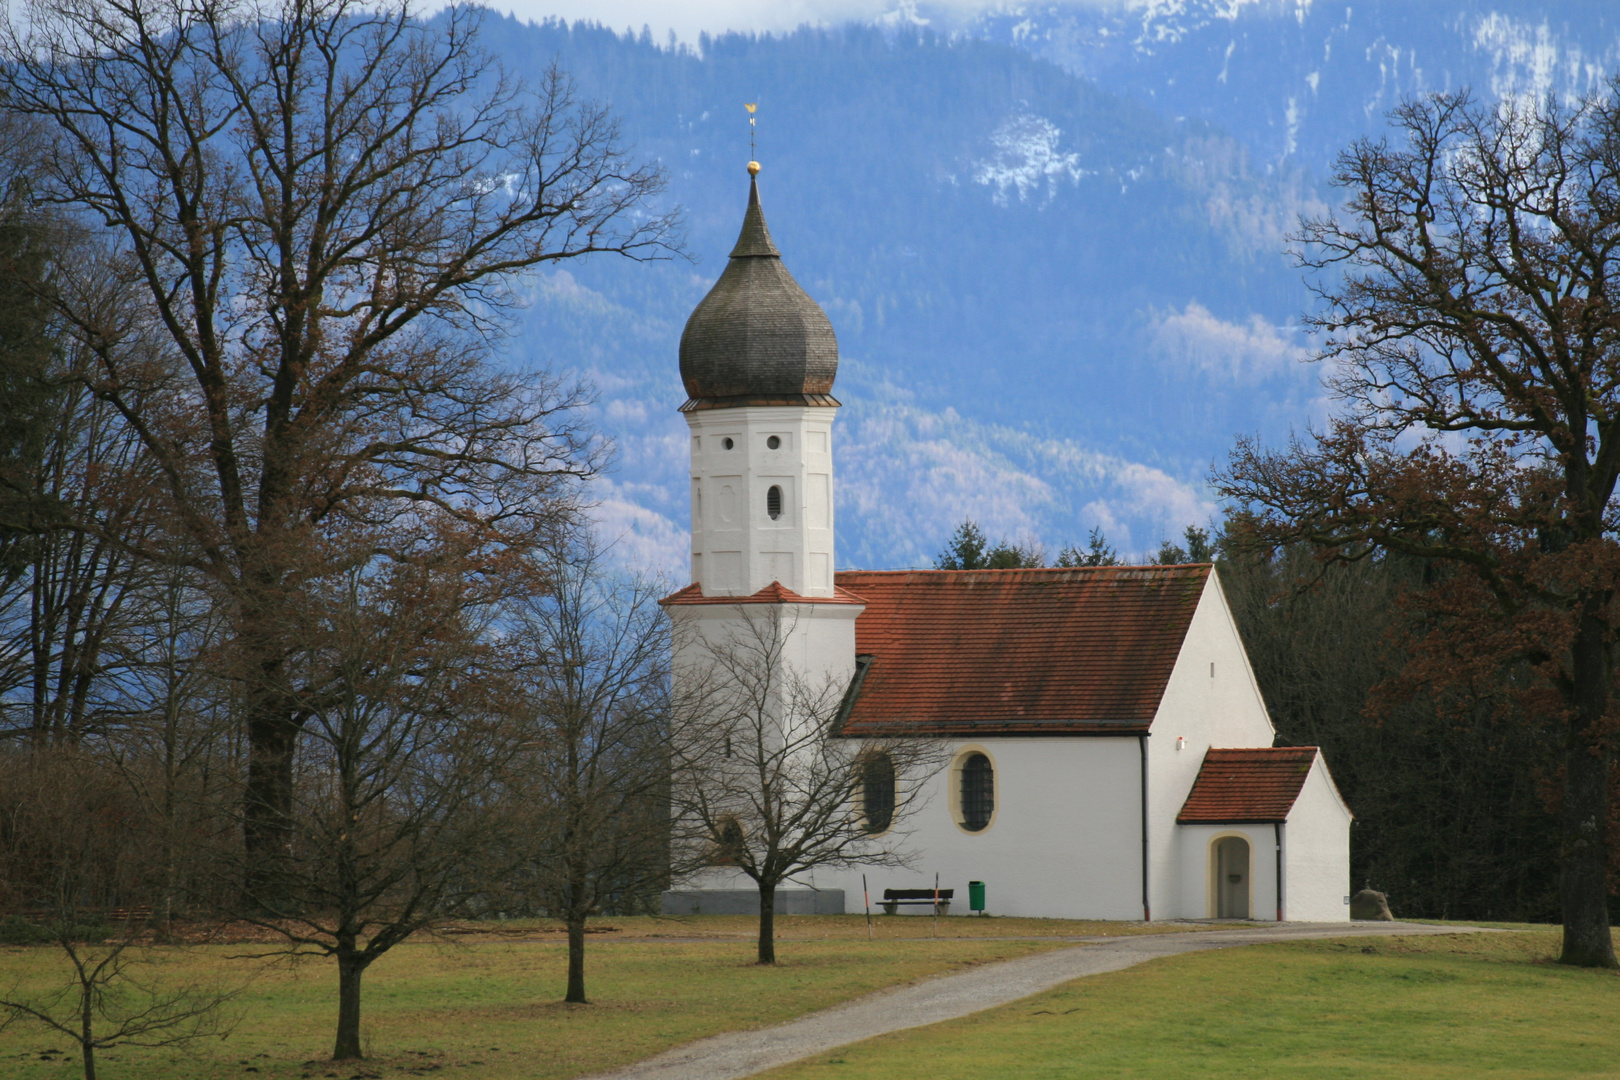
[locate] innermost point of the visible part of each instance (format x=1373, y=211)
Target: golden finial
x=753, y=166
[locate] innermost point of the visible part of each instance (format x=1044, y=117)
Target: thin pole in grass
x=936, y=903
x=866, y=895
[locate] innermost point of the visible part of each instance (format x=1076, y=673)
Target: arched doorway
x=1231, y=878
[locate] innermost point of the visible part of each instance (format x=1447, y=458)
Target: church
x=1108, y=753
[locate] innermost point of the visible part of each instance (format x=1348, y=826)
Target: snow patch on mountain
x=1530, y=61
x=1026, y=160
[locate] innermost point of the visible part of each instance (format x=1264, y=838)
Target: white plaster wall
x=1316, y=852
x=820, y=647
x=820, y=643
x=736, y=548
x=1065, y=841
x=1201, y=710
x=1195, y=880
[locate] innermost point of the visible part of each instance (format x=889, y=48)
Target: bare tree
x=74, y=848
x=763, y=782
x=170, y=729
x=593, y=778
x=1469, y=299
x=110, y=998
x=318, y=208
x=69, y=603
x=400, y=805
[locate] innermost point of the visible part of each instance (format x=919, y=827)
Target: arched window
x=877, y=792
x=978, y=792
x=728, y=842
x=773, y=502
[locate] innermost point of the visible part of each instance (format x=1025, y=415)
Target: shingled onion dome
x=757, y=338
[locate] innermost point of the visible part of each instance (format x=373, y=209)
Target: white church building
x=1110, y=753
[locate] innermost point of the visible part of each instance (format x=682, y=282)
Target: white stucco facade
x=1066, y=836
x=1316, y=852
x=738, y=548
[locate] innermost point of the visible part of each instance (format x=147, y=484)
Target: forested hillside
x=1050, y=238
x=1054, y=305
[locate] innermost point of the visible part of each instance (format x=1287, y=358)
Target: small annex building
x=1110, y=753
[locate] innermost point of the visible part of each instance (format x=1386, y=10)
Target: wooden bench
x=893, y=898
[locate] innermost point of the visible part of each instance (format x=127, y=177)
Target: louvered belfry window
x=773, y=502
x=877, y=792
x=978, y=792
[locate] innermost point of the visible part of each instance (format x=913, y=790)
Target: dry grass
x=483, y=1001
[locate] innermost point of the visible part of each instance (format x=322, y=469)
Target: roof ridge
x=774, y=593
x=1053, y=571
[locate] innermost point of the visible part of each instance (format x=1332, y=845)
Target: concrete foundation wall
x=746, y=902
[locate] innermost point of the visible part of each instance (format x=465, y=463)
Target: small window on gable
x=773, y=502
x=877, y=792
x=978, y=792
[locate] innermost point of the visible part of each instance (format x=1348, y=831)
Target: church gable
x=1018, y=652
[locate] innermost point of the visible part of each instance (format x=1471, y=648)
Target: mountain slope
x=1055, y=306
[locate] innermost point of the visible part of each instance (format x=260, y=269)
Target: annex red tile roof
x=1018, y=652
x=774, y=593
x=1255, y=785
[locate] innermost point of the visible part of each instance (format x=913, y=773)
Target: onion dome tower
x=758, y=358
x=757, y=338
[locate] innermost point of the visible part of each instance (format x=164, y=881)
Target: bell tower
x=758, y=358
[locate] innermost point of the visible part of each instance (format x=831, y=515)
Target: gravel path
x=744, y=1053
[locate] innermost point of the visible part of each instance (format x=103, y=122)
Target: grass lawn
x=1410, y=1008
x=485, y=1005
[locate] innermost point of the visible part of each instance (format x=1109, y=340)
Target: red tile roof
x=1018, y=652
x=774, y=593
x=1256, y=785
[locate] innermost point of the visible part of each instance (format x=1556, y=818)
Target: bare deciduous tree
x=317, y=209
x=763, y=781
x=74, y=847
x=399, y=805
x=593, y=778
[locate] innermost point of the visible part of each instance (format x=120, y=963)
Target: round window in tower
x=727, y=443
x=773, y=443
x=773, y=502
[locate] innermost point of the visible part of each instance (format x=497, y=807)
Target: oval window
x=773, y=502
x=773, y=443
x=877, y=792
x=978, y=792
x=727, y=443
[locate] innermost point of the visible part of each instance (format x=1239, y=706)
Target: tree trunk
x=1584, y=818
x=87, y=1041
x=767, y=923
x=350, y=968
x=576, y=960
x=267, y=804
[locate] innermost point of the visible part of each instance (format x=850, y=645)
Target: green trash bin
x=976, y=895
